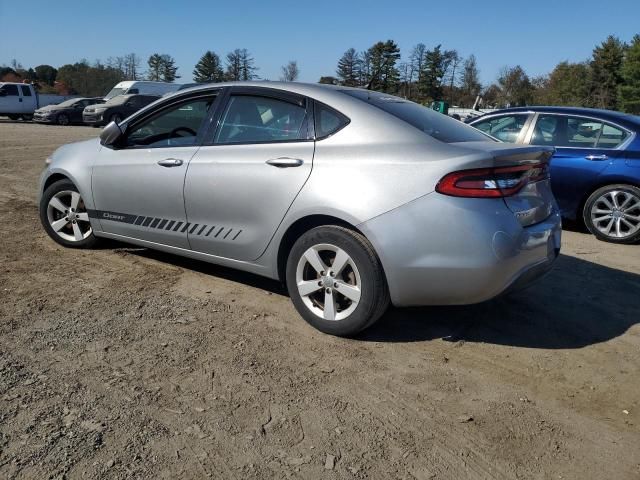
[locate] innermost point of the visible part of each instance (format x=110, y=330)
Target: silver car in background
x=354, y=199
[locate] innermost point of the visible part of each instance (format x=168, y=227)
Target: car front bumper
x=93, y=119
x=37, y=117
x=440, y=250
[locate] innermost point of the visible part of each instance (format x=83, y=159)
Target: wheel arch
x=297, y=229
x=51, y=179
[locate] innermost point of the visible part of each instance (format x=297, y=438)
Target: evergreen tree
x=349, y=68
x=384, y=74
x=46, y=74
x=433, y=71
x=155, y=67
x=208, y=69
x=169, y=69
x=629, y=91
x=606, y=76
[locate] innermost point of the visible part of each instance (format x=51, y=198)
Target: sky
x=536, y=35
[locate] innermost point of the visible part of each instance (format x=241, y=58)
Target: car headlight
x=99, y=110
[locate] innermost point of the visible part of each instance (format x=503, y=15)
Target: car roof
x=625, y=119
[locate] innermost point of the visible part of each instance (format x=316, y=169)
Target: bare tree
x=290, y=72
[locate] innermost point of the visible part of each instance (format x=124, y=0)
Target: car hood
x=82, y=149
x=51, y=108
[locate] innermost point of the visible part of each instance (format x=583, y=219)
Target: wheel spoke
x=350, y=291
x=607, y=229
x=77, y=233
x=58, y=224
x=628, y=198
x=614, y=198
x=606, y=201
x=75, y=199
x=602, y=219
x=633, y=207
x=83, y=217
x=339, y=262
x=618, y=232
x=314, y=260
x=629, y=224
x=307, y=287
x=633, y=217
x=601, y=210
x=56, y=203
x=329, y=305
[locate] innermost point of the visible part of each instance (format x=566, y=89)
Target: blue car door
x=585, y=148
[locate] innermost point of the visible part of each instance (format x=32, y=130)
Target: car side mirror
x=110, y=134
x=128, y=104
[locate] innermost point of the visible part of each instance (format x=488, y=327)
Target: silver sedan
x=354, y=199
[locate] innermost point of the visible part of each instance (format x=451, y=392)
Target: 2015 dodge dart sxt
x=355, y=199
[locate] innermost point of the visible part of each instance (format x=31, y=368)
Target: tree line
x=609, y=79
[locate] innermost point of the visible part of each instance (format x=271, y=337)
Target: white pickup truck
x=18, y=100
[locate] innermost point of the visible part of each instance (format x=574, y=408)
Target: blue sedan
x=595, y=172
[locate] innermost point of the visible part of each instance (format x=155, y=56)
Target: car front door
x=10, y=100
x=138, y=184
x=75, y=112
x=243, y=180
x=585, y=148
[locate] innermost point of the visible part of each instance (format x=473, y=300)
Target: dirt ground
x=128, y=363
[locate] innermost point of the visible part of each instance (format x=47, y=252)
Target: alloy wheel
x=68, y=216
x=329, y=282
x=63, y=119
x=616, y=214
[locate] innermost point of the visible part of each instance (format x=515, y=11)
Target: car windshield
x=114, y=93
x=68, y=103
x=435, y=124
x=120, y=99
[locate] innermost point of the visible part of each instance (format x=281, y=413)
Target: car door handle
x=596, y=158
x=285, y=162
x=170, y=162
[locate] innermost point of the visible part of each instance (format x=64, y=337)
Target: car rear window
x=435, y=124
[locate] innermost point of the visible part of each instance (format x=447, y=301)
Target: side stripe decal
x=195, y=229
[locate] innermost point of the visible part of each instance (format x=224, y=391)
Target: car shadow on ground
x=579, y=303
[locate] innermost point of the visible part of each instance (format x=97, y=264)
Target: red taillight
x=491, y=182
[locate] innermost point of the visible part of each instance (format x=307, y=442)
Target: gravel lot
x=123, y=362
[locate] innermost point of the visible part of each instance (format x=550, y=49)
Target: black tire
x=55, y=188
x=594, y=203
x=374, y=293
x=27, y=118
x=13, y=117
x=62, y=119
x=116, y=117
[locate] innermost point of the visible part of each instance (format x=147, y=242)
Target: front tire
x=63, y=119
x=64, y=216
x=612, y=213
x=336, y=281
x=116, y=117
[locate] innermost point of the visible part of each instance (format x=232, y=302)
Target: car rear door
x=585, y=148
x=138, y=185
x=28, y=100
x=508, y=127
x=245, y=177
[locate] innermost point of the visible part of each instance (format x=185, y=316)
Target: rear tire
x=64, y=216
x=336, y=281
x=13, y=117
x=612, y=213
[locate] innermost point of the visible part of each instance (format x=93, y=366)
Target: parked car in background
x=65, y=113
x=18, y=100
x=595, y=171
x=116, y=109
x=353, y=198
x=142, y=88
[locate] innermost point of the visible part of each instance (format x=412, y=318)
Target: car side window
x=611, y=137
x=548, y=130
x=26, y=91
x=255, y=119
x=9, y=90
x=328, y=121
x=506, y=127
x=582, y=132
x=174, y=126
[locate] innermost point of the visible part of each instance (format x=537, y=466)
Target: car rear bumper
x=440, y=250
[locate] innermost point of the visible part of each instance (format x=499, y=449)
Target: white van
x=18, y=100
x=143, y=88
